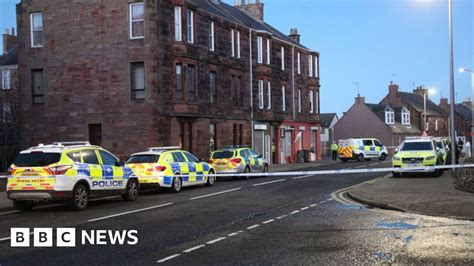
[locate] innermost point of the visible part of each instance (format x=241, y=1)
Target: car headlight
x=430, y=158
x=396, y=158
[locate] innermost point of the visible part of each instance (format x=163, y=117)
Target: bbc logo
x=42, y=237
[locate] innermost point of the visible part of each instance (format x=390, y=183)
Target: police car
x=361, y=149
x=170, y=167
x=238, y=159
x=417, y=153
x=68, y=171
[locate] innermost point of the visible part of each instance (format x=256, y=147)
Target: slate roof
x=10, y=58
x=416, y=101
x=464, y=111
x=398, y=128
x=326, y=119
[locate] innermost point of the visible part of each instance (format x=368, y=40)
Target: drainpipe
x=251, y=85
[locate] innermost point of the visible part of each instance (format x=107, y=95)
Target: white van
x=361, y=149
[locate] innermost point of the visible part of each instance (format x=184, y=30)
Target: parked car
x=238, y=159
x=361, y=149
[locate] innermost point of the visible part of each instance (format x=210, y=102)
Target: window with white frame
x=189, y=26
x=6, y=79
x=238, y=44
x=299, y=100
x=436, y=125
x=316, y=102
x=260, y=94
x=269, y=52
x=283, y=98
x=177, y=24
x=283, y=58
x=405, y=117
x=232, y=43
x=311, y=101
x=310, y=65
x=259, y=50
x=137, y=20
x=212, y=41
x=389, y=117
x=298, y=62
x=316, y=66
x=36, y=24
x=269, y=95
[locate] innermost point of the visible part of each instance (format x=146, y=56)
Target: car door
x=379, y=148
x=112, y=173
x=91, y=168
x=369, y=148
x=183, y=167
x=246, y=157
x=258, y=162
x=196, y=171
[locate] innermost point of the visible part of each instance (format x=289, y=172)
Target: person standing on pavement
x=334, y=149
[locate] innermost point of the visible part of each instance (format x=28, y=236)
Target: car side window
x=107, y=158
x=178, y=157
x=367, y=142
x=89, y=157
x=75, y=156
x=377, y=143
x=253, y=153
x=191, y=158
x=243, y=154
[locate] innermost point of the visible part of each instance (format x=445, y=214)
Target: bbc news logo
x=66, y=237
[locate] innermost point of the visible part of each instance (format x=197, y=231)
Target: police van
x=68, y=171
x=361, y=149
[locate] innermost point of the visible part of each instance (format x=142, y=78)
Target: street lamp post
x=451, y=86
x=472, y=107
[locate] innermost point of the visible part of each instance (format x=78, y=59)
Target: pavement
x=417, y=194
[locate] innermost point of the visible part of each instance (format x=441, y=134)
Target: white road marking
x=330, y=199
x=322, y=202
x=295, y=212
x=281, y=217
x=233, y=234
x=253, y=226
x=269, y=221
x=169, y=258
x=270, y=182
x=193, y=248
x=313, y=205
x=9, y=212
x=216, y=240
x=304, y=208
x=215, y=194
x=129, y=212
x=299, y=177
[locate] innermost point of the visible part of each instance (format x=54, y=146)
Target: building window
x=260, y=94
x=316, y=67
x=37, y=84
x=436, y=125
x=95, y=134
x=310, y=65
x=190, y=79
x=283, y=98
x=389, y=117
x=177, y=24
x=269, y=52
x=405, y=117
x=137, y=21
x=212, y=87
x=179, y=82
x=232, y=43
x=299, y=100
x=6, y=114
x=311, y=101
x=36, y=20
x=238, y=44
x=137, y=74
x=189, y=26
x=282, y=58
x=212, y=42
x=298, y=62
x=269, y=95
x=316, y=102
x=259, y=50
x=236, y=90
x=6, y=79
x=212, y=137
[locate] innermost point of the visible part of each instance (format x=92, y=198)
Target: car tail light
x=60, y=169
x=210, y=161
x=160, y=168
x=236, y=160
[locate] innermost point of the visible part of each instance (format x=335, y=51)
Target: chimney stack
x=421, y=91
x=443, y=103
x=294, y=35
x=359, y=99
x=9, y=40
x=392, y=89
x=254, y=10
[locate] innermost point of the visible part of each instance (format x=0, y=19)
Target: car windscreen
x=439, y=144
x=143, y=159
x=35, y=159
x=223, y=154
x=417, y=146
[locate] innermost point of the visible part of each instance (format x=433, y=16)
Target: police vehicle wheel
x=177, y=184
x=23, y=205
x=131, y=191
x=247, y=171
x=80, y=197
x=210, y=179
x=383, y=157
x=395, y=174
x=360, y=158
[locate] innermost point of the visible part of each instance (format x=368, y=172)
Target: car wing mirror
x=120, y=163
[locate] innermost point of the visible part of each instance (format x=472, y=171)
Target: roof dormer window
x=389, y=116
x=405, y=117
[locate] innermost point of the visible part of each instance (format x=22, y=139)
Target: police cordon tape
x=320, y=172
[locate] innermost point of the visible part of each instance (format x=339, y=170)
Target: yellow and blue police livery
x=68, y=171
x=170, y=167
x=238, y=159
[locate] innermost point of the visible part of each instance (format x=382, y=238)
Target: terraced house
x=202, y=74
